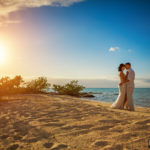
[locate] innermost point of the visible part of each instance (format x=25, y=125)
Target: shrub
x=8, y=85
x=38, y=85
x=17, y=81
x=72, y=88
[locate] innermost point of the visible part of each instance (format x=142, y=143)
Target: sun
x=2, y=54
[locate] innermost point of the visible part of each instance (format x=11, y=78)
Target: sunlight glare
x=2, y=54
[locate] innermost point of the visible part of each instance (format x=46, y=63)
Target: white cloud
x=113, y=49
x=9, y=6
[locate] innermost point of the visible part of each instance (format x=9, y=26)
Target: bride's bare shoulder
x=119, y=72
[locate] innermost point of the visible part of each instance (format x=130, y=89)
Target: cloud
x=8, y=6
x=113, y=49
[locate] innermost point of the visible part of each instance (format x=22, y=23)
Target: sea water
x=141, y=96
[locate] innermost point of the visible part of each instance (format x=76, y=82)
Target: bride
x=119, y=103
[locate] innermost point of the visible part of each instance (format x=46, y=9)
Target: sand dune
x=42, y=122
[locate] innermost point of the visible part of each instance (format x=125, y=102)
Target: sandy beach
x=55, y=122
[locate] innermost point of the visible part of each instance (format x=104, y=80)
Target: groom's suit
x=130, y=89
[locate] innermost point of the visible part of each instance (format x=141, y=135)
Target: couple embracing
x=126, y=88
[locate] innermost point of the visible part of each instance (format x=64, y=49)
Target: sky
x=75, y=39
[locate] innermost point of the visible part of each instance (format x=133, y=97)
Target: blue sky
x=85, y=40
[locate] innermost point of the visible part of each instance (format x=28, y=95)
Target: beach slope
x=54, y=122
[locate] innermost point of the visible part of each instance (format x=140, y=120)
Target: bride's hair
x=120, y=67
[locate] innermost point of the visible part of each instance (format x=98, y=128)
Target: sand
x=54, y=122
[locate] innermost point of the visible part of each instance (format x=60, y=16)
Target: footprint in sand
x=115, y=147
x=4, y=137
x=60, y=146
x=17, y=137
x=13, y=147
x=101, y=143
x=143, y=122
x=127, y=136
x=48, y=145
x=142, y=125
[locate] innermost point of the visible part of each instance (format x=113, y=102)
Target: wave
x=96, y=92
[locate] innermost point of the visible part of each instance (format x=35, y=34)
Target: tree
x=5, y=84
x=72, y=88
x=38, y=85
x=8, y=85
x=17, y=81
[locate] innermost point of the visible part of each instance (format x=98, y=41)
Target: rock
x=87, y=95
x=116, y=94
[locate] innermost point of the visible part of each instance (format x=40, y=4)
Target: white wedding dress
x=118, y=104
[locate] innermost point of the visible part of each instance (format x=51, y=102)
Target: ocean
x=141, y=96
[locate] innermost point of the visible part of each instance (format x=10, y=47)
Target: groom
x=130, y=87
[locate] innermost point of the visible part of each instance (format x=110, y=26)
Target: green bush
x=17, y=81
x=9, y=86
x=38, y=85
x=72, y=88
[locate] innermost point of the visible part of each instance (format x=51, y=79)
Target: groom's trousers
x=130, y=90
